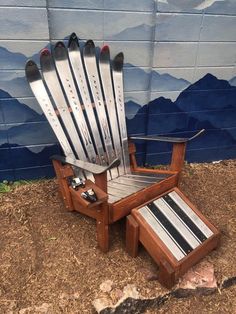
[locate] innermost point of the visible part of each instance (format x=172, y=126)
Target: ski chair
x=81, y=95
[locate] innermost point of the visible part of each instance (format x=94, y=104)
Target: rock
x=106, y=286
x=45, y=308
x=116, y=294
x=200, y=279
x=130, y=291
x=150, y=274
x=104, y=303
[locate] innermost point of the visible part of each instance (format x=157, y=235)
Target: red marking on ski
x=105, y=49
x=45, y=52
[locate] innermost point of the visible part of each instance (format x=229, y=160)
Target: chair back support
x=86, y=92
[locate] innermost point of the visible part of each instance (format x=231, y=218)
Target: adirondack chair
x=81, y=95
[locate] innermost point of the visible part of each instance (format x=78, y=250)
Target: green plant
x=7, y=186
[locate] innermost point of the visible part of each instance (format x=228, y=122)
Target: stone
x=45, y=308
x=149, y=274
x=200, y=279
x=101, y=304
x=106, y=286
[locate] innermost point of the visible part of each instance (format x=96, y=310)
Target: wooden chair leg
x=132, y=236
x=178, y=155
x=103, y=228
x=62, y=172
x=166, y=274
x=103, y=236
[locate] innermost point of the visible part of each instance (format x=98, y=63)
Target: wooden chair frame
x=104, y=212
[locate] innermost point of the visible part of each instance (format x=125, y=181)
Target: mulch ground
x=50, y=263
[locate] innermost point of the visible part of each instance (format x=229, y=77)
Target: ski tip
x=31, y=71
x=118, y=62
x=89, y=48
x=60, y=51
x=105, y=54
x=59, y=44
x=105, y=49
x=45, y=52
x=89, y=43
x=30, y=64
x=46, y=61
x=73, y=41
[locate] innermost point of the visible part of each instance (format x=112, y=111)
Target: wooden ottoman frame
x=170, y=268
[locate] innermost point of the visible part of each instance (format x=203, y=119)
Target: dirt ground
x=49, y=260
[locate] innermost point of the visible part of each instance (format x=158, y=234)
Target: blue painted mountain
x=166, y=82
x=212, y=6
x=15, y=111
x=233, y=81
x=15, y=86
x=142, y=31
x=136, y=78
x=23, y=163
x=131, y=108
x=16, y=59
x=195, y=108
x=26, y=134
x=222, y=7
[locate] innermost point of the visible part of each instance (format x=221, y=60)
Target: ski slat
x=105, y=71
x=119, y=97
x=175, y=220
x=35, y=80
x=51, y=79
x=95, y=86
x=190, y=213
x=162, y=233
x=123, y=187
x=63, y=68
x=131, y=182
x=79, y=74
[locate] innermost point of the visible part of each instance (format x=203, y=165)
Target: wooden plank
x=63, y=184
x=124, y=206
x=178, y=155
x=132, y=236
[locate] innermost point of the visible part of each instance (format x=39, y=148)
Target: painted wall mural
x=180, y=74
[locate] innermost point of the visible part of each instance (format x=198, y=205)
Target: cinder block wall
x=180, y=74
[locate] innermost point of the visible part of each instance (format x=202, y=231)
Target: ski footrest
x=173, y=232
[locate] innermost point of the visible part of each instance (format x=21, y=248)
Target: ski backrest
x=88, y=97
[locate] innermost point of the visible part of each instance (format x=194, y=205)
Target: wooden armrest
x=166, y=138
x=101, y=195
x=85, y=165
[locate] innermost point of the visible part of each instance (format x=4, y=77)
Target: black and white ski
x=117, y=70
x=96, y=90
x=63, y=68
x=52, y=81
x=35, y=81
x=79, y=73
x=105, y=71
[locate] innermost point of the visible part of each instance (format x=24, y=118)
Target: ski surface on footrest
x=78, y=70
x=105, y=71
x=63, y=68
x=117, y=70
x=95, y=86
x=36, y=83
x=52, y=81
